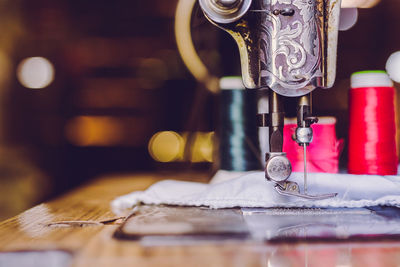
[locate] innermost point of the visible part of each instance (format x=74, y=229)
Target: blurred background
x=95, y=87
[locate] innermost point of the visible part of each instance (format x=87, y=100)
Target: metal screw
x=276, y=12
x=284, y=12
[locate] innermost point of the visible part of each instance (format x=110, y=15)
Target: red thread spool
x=372, y=128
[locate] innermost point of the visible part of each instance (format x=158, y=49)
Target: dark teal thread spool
x=238, y=131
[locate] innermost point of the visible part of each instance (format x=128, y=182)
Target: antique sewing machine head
x=289, y=47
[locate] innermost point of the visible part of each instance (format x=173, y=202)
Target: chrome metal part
x=225, y=11
x=292, y=189
x=304, y=135
x=286, y=191
x=276, y=122
x=227, y=3
x=287, y=45
x=278, y=167
x=305, y=167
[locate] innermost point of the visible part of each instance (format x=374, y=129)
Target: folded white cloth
x=252, y=190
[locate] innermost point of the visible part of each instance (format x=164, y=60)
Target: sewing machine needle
x=305, y=168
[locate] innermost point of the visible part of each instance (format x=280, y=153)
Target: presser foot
x=278, y=170
x=292, y=189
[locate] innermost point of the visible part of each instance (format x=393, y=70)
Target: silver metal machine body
x=289, y=47
x=286, y=45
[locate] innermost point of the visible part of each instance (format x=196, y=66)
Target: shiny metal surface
x=227, y=3
x=225, y=11
x=169, y=225
x=276, y=122
x=304, y=135
x=305, y=167
x=287, y=191
x=316, y=223
x=286, y=45
x=278, y=167
x=158, y=220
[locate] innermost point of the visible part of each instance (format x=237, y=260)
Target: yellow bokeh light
x=202, y=148
x=166, y=146
x=94, y=131
x=35, y=72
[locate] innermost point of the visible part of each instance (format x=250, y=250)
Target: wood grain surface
x=45, y=228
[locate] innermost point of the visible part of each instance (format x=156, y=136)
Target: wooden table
x=94, y=245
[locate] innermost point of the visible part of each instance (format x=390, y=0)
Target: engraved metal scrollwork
x=287, y=45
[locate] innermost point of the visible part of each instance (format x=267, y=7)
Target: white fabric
x=223, y=176
x=252, y=190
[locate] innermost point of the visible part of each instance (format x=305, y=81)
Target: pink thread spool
x=322, y=153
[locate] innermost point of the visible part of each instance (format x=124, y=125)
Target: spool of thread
x=238, y=131
x=322, y=153
x=372, y=128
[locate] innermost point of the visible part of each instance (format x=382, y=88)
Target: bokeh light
x=202, y=148
x=94, y=131
x=35, y=72
x=166, y=146
x=348, y=18
x=169, y=146
x=393, y=66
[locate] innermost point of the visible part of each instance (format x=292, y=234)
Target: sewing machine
x=289, y=47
